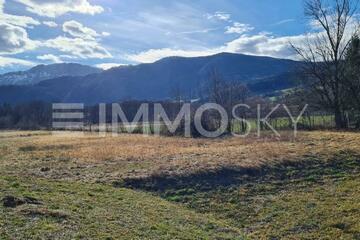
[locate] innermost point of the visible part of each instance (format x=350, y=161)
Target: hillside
x=44, y=72
x=157, y=81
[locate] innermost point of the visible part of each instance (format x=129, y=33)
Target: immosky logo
x=70, y=116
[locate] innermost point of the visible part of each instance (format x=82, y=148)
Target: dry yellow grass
x=317, y=200
x=90, y=157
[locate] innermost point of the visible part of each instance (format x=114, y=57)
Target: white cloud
x=50, y=57
x=153, y=55
x=78, y=47
x=265, y=45
x=223, y=16
x=50, y=24
x=107, y=66
x=238, y=28
x=84, y=43
x=9, y=62
x=67, y=56
x=284, y=21
x=54, y=8
x=207, y=30
x=78, y=30
x=14, y=39
x=21, y=21
x=105, y=34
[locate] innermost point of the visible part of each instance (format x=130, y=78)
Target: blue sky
x=113, y=32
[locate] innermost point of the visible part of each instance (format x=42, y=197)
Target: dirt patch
x=32, y=148
x=27, y=149
x=42, y=212
x=13, y=202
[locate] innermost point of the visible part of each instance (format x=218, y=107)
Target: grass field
x=73, y=186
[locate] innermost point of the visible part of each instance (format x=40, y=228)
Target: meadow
x=71, y=185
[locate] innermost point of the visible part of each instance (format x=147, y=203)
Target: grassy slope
x=304, y=189
x=93, y=211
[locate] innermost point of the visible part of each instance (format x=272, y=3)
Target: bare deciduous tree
x=324, y=51
x=227, y=94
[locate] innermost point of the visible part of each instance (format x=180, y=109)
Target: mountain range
x=156, y=81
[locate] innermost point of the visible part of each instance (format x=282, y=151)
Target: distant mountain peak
x=43, y=72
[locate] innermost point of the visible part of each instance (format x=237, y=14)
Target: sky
x=107, y=33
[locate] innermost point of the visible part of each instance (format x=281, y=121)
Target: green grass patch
x=95, y=211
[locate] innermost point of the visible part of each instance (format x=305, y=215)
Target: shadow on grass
x=33, y=148
x=311, y=169
x=252, y=199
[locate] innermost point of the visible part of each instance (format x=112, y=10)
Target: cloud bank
x=78, y=47
x=262, y=44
